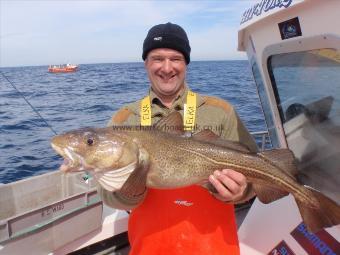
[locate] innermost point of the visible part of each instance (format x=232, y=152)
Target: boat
x=57, y=213
x=67, y=68
x=293, y=47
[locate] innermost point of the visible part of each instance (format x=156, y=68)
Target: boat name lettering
x=264, y=6
x=281, y=249
x=319, y=243
x=52, y=209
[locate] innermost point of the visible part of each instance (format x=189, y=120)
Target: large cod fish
x=173, y=160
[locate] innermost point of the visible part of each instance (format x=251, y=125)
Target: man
x=188, y=220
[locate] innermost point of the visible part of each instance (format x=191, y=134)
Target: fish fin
x=267, y=194
x=172, y=124
x=282, y=158
x=326, y=214
x=209, y=136
x=135, y=184
x=205, y=135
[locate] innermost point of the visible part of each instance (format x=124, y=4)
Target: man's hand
x=231, y=186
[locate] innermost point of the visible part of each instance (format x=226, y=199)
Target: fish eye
x=89, y=138
x=89, y=141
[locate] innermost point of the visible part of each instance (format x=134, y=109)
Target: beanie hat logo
x=169, y=36
x=159, y=38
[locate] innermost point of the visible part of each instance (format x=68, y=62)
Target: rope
x=22, y=95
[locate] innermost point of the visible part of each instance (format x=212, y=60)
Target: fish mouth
x=72, y=161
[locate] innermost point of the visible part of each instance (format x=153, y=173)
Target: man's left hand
x=230, y=185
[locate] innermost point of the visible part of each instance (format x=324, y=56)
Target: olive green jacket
x=212, y=113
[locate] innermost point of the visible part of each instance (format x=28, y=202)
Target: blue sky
x=83, y=31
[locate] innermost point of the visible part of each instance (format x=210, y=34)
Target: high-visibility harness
x=189, y=112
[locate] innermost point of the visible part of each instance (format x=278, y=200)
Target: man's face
x=166, y=70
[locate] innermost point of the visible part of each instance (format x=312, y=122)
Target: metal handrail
x=264, y=136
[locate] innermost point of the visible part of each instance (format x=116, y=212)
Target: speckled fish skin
x=176, y=161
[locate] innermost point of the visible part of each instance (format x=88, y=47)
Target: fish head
x=95, y=150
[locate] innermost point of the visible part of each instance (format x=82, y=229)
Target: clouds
x=51, y=32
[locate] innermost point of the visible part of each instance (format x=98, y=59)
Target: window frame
x=300, y=44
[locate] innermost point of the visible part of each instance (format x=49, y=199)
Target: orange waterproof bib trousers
x=181, y=222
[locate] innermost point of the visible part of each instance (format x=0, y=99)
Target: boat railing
x=262, y=139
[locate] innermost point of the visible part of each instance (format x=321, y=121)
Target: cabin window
x=265, y=106
x=307, y=90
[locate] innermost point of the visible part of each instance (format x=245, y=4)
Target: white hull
x=55, y=213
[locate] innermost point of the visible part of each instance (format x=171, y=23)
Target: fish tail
x=325, y=214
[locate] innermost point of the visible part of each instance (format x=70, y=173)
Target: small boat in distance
x=68, y=68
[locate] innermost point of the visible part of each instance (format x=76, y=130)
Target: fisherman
x=190, y=220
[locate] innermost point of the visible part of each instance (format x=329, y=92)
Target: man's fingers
x=235, y=176
x=220, y=188
x=229, y=184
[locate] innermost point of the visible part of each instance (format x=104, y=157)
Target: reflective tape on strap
x=190, y=112
x=145, y=112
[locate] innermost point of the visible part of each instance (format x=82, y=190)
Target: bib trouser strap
x=189, y=112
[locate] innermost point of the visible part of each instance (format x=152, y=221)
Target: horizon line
x=127, y=62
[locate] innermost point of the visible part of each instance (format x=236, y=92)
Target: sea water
x=89, y=97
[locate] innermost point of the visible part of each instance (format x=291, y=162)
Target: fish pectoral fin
x=267, y=194
x=209, y=136
x=325, y=214
x=282, y=158
x=172, y=124
x=136, y=183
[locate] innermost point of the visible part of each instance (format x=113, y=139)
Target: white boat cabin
x=293, y=47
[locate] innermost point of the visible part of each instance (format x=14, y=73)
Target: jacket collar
x=159, y=109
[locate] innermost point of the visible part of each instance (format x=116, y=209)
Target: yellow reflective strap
x=145, y=112
x=190, y=112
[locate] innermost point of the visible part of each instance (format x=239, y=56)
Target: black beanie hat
x=167, y=35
